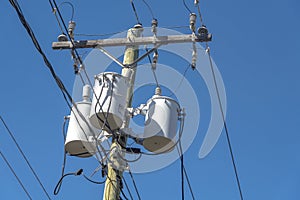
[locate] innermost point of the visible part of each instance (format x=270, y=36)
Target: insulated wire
x=149, y=8
x=222, y=111
x=134, y=184
x=127, y=188
x=65, y=93
x=25, y=158
x=183, y=76
x=188, y=181
x=184, y=3
x=224, y=122
x=181, y=170
x=199, y=13
x=153, y=70
x=16, y=176
x=72, y=7
x=78, y=57
x=135, y=12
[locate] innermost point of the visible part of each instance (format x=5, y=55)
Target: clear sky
x=256, y=49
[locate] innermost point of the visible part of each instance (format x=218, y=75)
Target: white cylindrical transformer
x=161, y=124
x=108, y=105
x=81, y=135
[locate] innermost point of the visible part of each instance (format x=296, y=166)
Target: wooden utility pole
x=116, y=166
x=113, y=184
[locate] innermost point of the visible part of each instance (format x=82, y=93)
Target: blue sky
x=256, y=48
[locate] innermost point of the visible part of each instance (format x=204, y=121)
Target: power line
x=135, y=12
x=18, y=179
x=224, y=122
x=184, y=3
x=126, y=185
x=134, y=184
x=60, y=84
x=181, y=171
x=25, y=158
x=149, y=8
x=188, y=181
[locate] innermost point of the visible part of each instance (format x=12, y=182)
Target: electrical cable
x=134, y=184
x=153, y=70
x=127, y=188
x=149, y=8
x=16, y=176
x=184, y=3
x=224, y=123
x=65, y=93
x=180, y=82
x=25, y=158
x=135, y=12
x=199, y=12
x=181, y=170
x=58, y=185
x=92, y=181
x=72, y=7
x=189, y=184
x=97, y=35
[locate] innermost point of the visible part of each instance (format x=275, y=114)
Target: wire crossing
x=25, y=158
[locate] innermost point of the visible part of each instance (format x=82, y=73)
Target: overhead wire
x=181, y=170
x=134, y=184
x=181, y=81
x=188, y=9
x=225, y=125
x=149, y=8
x=16, y=176
x=25, y=158
x=221, y=109
x=127, y=187
x=135, y=12
x=60, y=84
x=189, y=183
x=152, y=69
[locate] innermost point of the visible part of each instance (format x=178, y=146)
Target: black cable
x=135, y=12
x=16, y=176
x=154, y=74
x=66, y=94
x=149, y=8
x=25, y=158
x=126, y=185
x=188, y=181
x=184, y=3
x=72, y=7
x=180, y=82
x=59, y=83
x=92, y=181
x=58, y=185
x=134, y=184
x=224, y=122
x=181, y=170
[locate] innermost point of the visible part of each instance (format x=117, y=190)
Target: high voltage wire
x=16, y=176
x=25, y=158
x=135, y=12
x=224, y=123
x=60, y=84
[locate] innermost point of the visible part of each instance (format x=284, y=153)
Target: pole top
x=137, y=26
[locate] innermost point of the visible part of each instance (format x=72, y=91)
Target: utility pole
x=113, y=184
x=117, y=165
